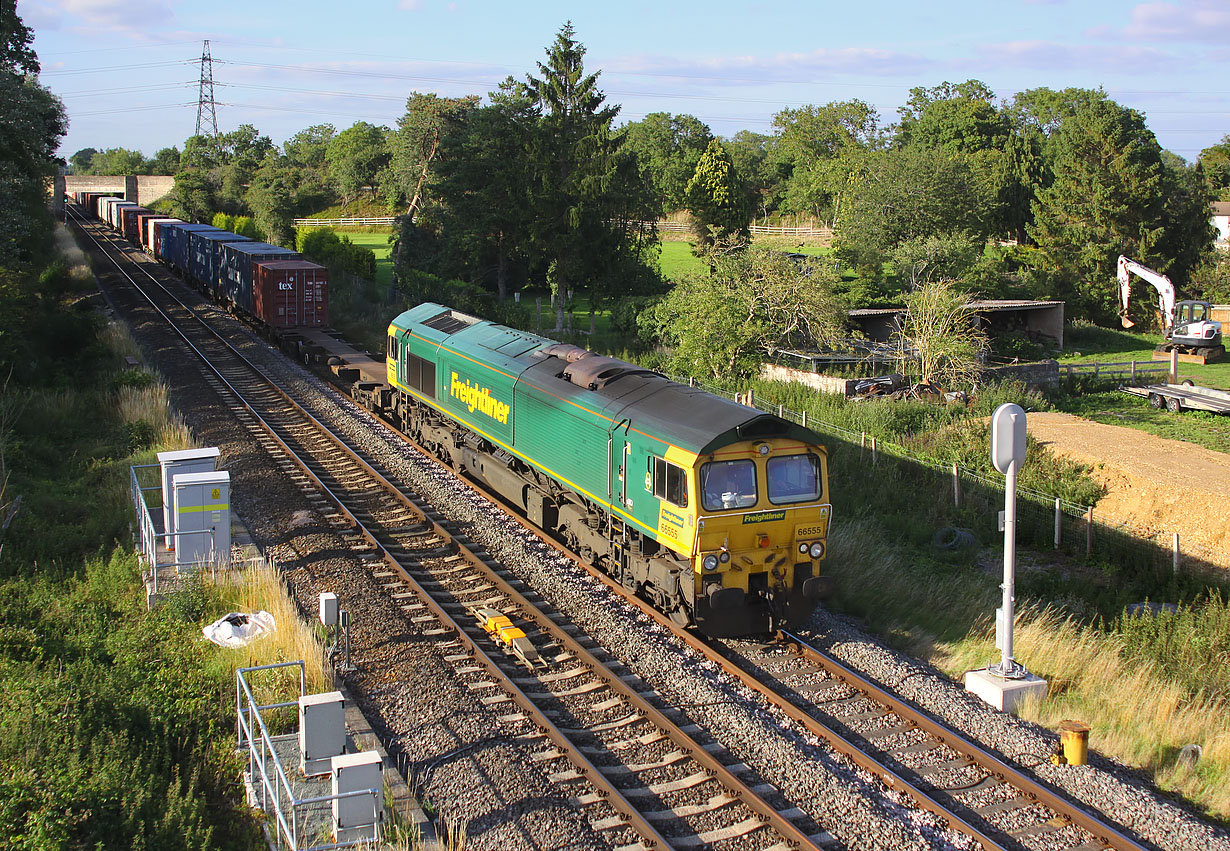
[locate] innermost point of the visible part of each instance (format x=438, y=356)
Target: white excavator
x=1187, y=324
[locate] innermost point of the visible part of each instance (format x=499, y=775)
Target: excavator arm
x=1165, y=290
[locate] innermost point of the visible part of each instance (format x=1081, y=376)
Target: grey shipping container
x=238, y=269
x=205, y=261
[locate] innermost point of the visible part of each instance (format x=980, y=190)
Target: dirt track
x=1155, y=485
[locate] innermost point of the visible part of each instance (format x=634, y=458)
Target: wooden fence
x=1130, y=369
x=348, y=222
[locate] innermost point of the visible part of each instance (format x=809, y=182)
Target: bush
x=324, y=246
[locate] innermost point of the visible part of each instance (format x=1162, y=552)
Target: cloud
x=110, y=16
x=782, y=67
x=1205, y=21
x=411, y=5
x=1050, y=56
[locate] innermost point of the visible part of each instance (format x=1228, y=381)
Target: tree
x=32, y=121
x=1215, y=163
x=415, y=145
x=118, y=161
x=752, y=301
x=940, y=342
x=355, y=159
x=308, y=147
x=716, y=199
x=1106, y=199
x=166, y=161
x=903, y=194
x=80, y=161
x=957, y=118
x=485, y=176
x=271, y=197
x=754, y=158
x=668, y=147
x=817, y=148
x=587, y=193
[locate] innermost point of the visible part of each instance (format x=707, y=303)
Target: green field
x=678, y=260
x=379, y=243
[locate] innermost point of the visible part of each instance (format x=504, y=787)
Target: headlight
x=724, y=557
x=710, y=562
x=817, y=549
x=803, y=547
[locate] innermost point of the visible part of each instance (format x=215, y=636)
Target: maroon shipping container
x=291, y=294
x=138, y=235
x=128, y=222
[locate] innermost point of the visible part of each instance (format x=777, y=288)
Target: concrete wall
x=1033, y=374
x=823, y=383
x=145, y=189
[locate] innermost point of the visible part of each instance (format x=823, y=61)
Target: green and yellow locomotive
x=716, y=513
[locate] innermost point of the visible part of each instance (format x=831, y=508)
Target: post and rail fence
x=1053, y=519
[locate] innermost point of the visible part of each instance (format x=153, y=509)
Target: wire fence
x=1043, y=518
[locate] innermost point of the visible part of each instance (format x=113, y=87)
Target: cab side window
x=670, y=481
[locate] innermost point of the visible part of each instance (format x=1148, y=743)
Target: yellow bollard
x=1074, y=744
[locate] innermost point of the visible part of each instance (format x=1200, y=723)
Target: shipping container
x=104, y=207
x=291, y=294
x=143, y=219
x=148, y=234
x=98, y=204
x=128, y=222
x=236, y=274
x=205, y=261
x=114, y=214
x=175, y=248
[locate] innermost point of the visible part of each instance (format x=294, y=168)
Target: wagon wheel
x=1187, y=382
x=1155, y=401
x=1174, y=405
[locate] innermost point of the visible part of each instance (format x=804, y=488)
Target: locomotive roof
x=684, y=416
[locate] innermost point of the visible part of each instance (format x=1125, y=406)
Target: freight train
x=714, y=512
x=275, y=286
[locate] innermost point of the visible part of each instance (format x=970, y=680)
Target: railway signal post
x=1006, y=684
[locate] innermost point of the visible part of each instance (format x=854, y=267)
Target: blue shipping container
x=238, y=272
x=205, y=264
x=175, y=248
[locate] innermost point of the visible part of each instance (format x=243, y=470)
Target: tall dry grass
x=75, y=261
x=1138, y=715
x=257, y=587
x=148, y=404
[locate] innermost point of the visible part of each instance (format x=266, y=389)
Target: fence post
x=1089, y=531
x=956, y=486
x=1174, y=366
x=875, y=457
x=781, y=410
x=862, y=446
x=1058, y=521
x=804, y=418
x=1133, y=371
x=751, y=398
x=1177, y=555
x=1095, y=369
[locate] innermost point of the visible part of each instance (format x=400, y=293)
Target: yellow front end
x=761, y=534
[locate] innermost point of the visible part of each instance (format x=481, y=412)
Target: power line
x=206, y=106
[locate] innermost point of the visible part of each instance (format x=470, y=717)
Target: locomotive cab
x=761, y=533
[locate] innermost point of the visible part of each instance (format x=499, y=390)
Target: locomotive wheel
x=1155, y=401
x=1174, y=405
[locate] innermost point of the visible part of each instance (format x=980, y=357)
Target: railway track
x=601, y=730
x=438, y=580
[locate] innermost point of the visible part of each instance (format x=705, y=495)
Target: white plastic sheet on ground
x=239, y=628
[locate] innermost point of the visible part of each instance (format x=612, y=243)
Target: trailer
x=1177, y=398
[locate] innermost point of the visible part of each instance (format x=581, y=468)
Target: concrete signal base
x=1004, y=694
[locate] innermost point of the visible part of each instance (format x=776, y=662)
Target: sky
x=129, y=70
